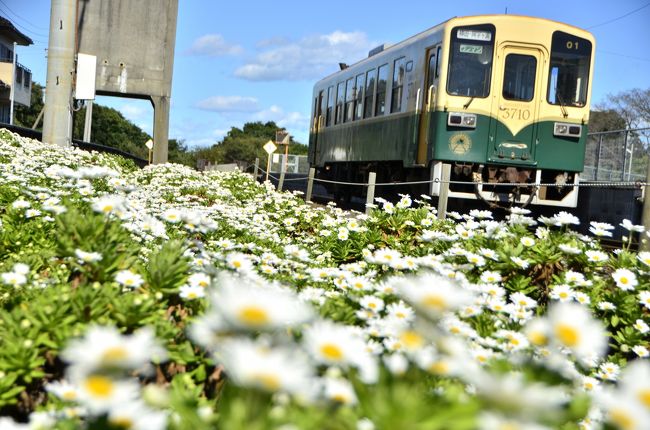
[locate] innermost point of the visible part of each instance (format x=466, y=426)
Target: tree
x=26, y=116
x=243, y=145
x=606, y=120
x=633, y=106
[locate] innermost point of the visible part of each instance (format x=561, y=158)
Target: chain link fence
x=619, y=155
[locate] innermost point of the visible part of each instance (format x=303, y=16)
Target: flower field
x=166, y=298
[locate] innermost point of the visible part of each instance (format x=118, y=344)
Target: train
x=479, y=102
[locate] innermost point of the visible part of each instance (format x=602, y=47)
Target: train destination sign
x=484, y=36
x=471, y=49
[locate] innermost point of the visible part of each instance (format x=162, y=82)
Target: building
x=19, y=78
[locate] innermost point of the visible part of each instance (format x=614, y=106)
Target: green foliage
x=245, y=144
x=26, y=116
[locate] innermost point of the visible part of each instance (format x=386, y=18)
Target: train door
x=518, y=91
x=428, y=102
x=318, y=122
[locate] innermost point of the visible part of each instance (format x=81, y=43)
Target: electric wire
x=37, y=27
x=620, y=17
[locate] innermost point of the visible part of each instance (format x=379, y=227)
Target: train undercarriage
x=496, y=185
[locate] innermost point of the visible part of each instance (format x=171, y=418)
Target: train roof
x=387, y=48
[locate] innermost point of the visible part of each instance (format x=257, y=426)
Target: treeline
x=110, y=128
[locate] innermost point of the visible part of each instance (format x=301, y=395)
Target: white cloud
x=308, y=58
x=229, y=104
x=213, y=45
x=280, y=117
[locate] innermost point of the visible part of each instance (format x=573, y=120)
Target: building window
x=371, y=80
x=4, y=113
x=19, y=75
x=380, y=107
x=330, y=106
x=340, y=98
x=399, y=73
x=358, y=103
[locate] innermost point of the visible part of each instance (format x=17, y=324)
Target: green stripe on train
x=394, y=137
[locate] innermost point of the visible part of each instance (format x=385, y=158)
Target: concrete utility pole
x=57, y=122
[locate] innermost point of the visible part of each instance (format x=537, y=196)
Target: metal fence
x=619, y=155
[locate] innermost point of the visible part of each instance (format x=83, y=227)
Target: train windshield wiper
x=564, y=111
x=466, y=105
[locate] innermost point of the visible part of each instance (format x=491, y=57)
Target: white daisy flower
x=257, y=306
x=87, y=257
x=105, y=348
x=596, y=256
x=129, y=279
x=191, y=292
x=641, y=326
x=433, y=294
x=278, y=369
x=625, y=279
x=339, y=345
x=136, y=415
x=340, y=391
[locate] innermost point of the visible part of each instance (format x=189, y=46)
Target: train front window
x=519, y=77
x=569, y=70
x=470, y=61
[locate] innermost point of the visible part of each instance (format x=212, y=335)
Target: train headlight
x=461, y=119
x=569, y=130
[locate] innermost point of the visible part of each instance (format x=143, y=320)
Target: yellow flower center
x=400, y=315
x=236, y=264
x=537, y=338
x=622, y=419
x=439, y=368
x=267, y=381
x=114, y=353
x=122, y=422
x=254, y=315
x=434, y=301
x=69, y=395
x=411, y=339
x=623, y=280
x=644, y=397
x=331, y=352
x=341, y=398
x=107, y=208
x=568, y=335
x=192, y=295
x=99, y=386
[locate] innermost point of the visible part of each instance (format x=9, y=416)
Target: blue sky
x=240, y=61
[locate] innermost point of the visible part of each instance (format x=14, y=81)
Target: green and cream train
x=498, y=98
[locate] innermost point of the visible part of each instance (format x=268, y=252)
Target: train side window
x=519, y=77
x=349, y=100
x=399, y=73
x=371, y=80
x=314, y=120
x=323, y=108
x=380, y=106
x=358, y=102
x=330, y=106
x=438, y=62
x=340, y=98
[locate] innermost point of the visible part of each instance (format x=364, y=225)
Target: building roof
x=9, y=30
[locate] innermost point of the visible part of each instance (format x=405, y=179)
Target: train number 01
x=514, y=113
x=572, y=45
